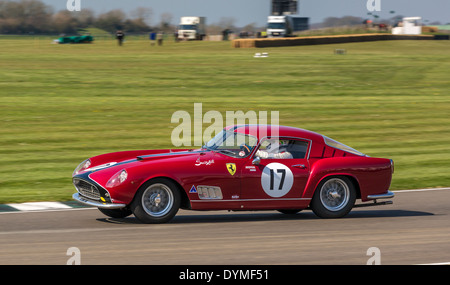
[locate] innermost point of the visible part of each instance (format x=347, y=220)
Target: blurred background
x=62, y=103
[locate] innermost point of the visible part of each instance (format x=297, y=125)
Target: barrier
x=321, y=40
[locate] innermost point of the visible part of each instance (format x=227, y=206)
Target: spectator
x=152, y=38
x=120, y=36
x=159, y=38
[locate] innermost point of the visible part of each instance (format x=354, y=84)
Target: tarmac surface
x=415, y=229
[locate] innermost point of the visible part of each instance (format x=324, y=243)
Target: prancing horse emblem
x=231, y=168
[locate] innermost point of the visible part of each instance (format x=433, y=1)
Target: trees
x=64, y=23
x=25, y=16
x=35, y=17
x=138, y=23
x=111, y=21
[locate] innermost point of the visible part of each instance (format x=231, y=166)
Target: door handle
x=301, y=166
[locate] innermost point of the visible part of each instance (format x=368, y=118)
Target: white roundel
x=277, y=179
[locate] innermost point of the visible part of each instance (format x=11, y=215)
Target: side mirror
x=256, y=161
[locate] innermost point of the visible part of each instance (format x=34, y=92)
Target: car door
x=212, y=182
x=281, y=176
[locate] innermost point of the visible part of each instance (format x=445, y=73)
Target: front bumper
x=93, y=194
x=77, y=197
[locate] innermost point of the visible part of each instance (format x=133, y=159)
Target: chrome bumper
x=77, y=197
x=387, y=195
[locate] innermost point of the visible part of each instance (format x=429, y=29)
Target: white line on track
x=48, y=210
x=68, y=231
x=36, y=206
x=421, y=190
x=439, y=263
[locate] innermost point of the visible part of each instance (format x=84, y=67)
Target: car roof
x=261, y=131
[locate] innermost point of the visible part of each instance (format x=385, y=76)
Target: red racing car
x=244, y=167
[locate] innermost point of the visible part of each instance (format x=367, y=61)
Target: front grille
x=86, y=189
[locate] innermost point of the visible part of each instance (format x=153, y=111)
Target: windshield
x=279, y=26
x=188, y=27
x=232, y=143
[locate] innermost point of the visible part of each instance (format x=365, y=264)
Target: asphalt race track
x=413, y=230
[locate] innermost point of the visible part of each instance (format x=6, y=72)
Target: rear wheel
x=334, y=197
x=157, y=201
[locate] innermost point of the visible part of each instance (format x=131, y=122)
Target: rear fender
x=370, y=175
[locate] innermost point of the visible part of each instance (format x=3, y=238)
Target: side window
x=282, y=149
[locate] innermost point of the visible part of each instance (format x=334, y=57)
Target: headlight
x=84, y=165
x=117, y=179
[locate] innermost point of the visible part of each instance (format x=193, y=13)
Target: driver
x=276, y=149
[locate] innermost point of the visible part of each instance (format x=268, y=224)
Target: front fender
x=127, y=191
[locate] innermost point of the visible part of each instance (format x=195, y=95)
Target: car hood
x=164, y=155
x=128, y=159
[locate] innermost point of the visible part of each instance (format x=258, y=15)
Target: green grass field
x=60, y=104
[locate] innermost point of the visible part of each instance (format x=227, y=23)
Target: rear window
x=338, y=145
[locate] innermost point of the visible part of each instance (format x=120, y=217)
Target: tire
x=157, y=201
x=116, y=213
x=334, y=197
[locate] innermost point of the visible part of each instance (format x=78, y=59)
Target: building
x=284, y=7
x=289, y=8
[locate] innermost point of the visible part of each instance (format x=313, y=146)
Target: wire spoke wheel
x=334, y=194
x=334, y=197
x=157, y=200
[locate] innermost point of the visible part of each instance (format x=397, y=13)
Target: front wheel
x=334, y=197
x=156, y=202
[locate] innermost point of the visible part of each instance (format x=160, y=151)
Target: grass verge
x=60, y=104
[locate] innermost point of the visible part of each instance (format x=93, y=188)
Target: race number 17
x=283, y=175
x=276, y=179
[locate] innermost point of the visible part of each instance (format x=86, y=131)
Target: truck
x=192, y=28
x=409, y=26
x=285, y=26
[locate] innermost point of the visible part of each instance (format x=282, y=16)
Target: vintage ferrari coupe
x=244, y=167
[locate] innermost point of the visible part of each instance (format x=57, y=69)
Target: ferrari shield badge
x=231, y=168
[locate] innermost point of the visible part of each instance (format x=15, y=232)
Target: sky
x=256, y=11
